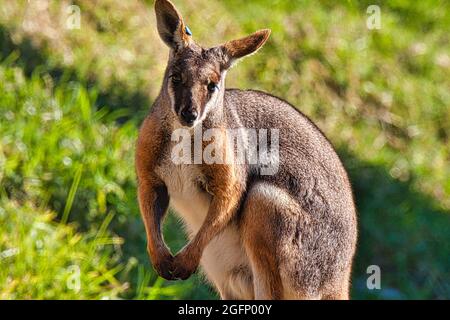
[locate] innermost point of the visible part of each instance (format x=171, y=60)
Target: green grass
x=71, y=102
x=33, y=247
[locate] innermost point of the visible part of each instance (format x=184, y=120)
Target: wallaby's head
x=195, y=77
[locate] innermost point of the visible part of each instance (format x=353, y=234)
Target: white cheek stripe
x=215, y=96
x=208, y=106
x=171, y=97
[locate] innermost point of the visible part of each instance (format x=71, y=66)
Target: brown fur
x=153, y=204
x=289, y=235
x=261, y=241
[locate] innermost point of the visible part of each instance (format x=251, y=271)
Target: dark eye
x=212, y=87
x=176, y=78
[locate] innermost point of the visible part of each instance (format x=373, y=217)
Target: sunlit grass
x=42, y=259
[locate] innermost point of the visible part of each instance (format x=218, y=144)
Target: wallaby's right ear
x=170, y=24
x=237, y=49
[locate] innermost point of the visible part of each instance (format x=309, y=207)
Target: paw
x=183, y=266
x=163, y=268
x=182, y=272
x=162, y=264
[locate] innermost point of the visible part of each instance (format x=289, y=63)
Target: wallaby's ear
x=237, y=49
x=171, y=27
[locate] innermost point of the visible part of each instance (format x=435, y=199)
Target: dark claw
x=166, y=274
x=182, y=273
x=164, y=269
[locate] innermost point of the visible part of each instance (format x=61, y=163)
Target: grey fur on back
x=312, y=173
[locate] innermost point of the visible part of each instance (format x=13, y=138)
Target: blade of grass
x=72, y=192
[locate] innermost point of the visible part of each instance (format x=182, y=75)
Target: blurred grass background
x=71, y=101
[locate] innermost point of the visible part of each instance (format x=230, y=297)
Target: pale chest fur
x=191, y=202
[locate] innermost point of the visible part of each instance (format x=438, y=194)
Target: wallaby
x=286, y=234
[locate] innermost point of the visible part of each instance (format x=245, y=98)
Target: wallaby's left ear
x=171, y=27
x=237, y=49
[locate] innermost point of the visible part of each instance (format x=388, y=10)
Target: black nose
x=189, y=116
